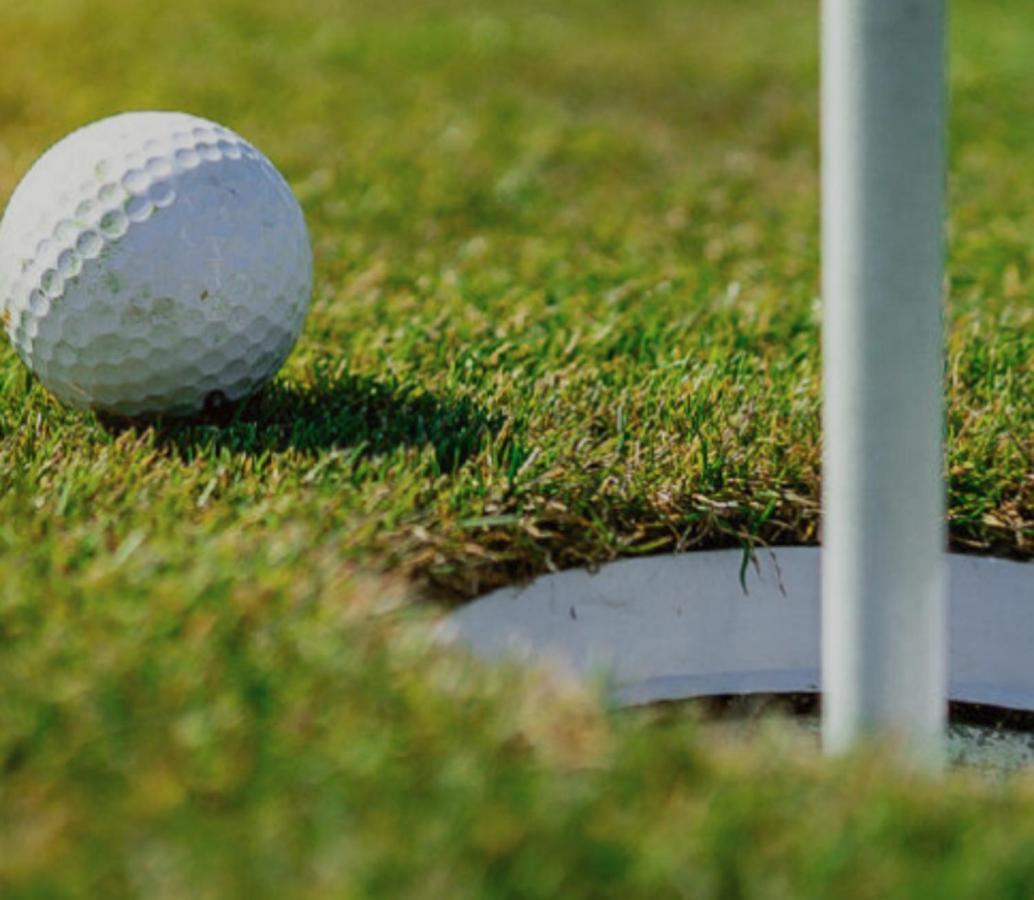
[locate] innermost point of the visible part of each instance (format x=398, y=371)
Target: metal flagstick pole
x=884, y=629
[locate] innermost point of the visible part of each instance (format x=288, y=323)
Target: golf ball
x=153, y=263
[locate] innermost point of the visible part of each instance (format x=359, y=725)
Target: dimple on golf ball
x=153, y=263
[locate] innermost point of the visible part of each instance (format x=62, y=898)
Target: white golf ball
x=153, y=263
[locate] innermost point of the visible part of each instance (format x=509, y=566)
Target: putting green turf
x=565, y=310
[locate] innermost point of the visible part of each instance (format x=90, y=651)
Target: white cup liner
x=674, y=627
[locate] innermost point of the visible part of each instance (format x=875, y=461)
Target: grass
x=565, y=311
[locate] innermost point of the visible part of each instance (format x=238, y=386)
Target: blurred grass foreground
x=565, y=311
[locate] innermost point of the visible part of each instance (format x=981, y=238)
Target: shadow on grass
x=333, y=412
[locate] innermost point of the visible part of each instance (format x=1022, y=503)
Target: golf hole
x=701, y=627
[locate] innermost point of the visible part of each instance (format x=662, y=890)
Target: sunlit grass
x=565, y=310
